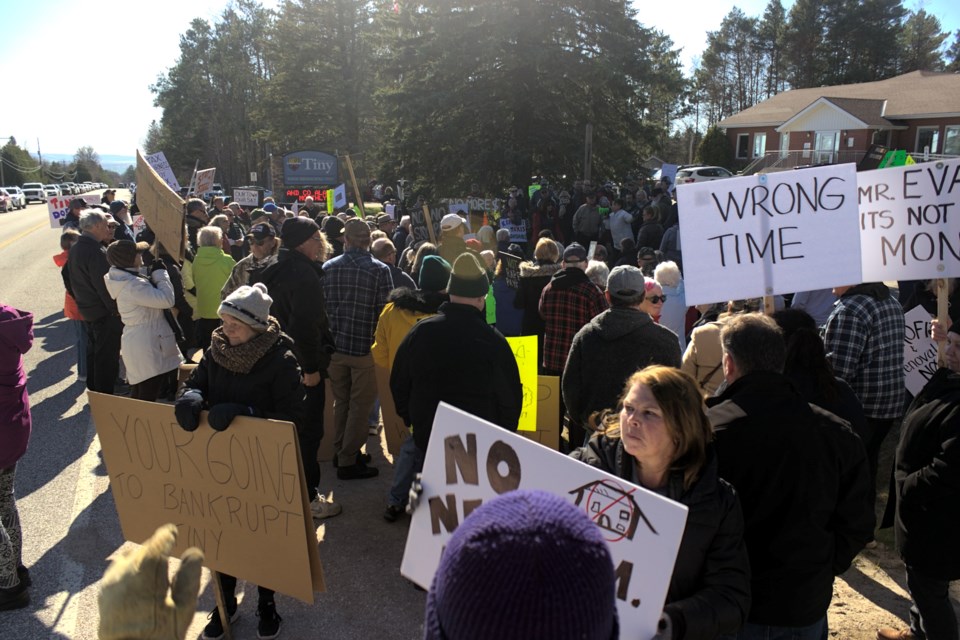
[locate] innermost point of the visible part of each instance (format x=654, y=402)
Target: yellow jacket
x=405, y=309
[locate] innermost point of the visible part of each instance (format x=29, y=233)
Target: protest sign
x=238, y=495
x=139, y=225
x=204, y=181
x=394, y=429
x=872, y=158
x=910, y=223
x=518, y=230
x=525, y=351
x=919, y=350
x=425, y=223
x=470, y=460
x=769, y=234
x=391, y=210
x=340, y=196
x=669, y=171
x=159, y=163
x=511, y=269
x=161, y=207
x=247, y=197
x=896, y=158
x=474, y=204
x=548, y=413
x=59, y=206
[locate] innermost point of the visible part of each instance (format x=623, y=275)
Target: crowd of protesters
x=768, y=427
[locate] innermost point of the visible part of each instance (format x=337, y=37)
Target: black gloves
x=187, y=409
x=158, y=265
x=221, y=415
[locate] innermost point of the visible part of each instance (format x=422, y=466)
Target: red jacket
x=70, y=309
x=570, y=301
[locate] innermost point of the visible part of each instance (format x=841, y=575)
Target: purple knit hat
x=527, y=564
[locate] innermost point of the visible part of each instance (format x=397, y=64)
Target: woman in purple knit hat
x=16, y=338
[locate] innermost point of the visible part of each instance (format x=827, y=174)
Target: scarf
x=243, y=357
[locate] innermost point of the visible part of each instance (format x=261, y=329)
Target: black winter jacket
x=607, y=351
x=455, y=357
x=295, y=284
x=709, y=592
x=927, y=474
x=86, y=267
x=273, y=387
x=802, y=478
x=533, y=278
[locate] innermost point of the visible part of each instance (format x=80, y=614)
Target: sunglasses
x=657, y=299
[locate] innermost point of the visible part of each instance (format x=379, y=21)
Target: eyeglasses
x=657, y=299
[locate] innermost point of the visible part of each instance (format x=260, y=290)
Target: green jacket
x=211, y=269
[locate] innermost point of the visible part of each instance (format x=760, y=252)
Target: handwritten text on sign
x=910, y=221
x=237, y=494
x=919, y=350
x=525, y=351
x=769, y=234
x=470, y=460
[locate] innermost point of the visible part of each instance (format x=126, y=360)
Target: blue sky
x=110, y=51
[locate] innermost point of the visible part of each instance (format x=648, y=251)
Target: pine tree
x=920, y=43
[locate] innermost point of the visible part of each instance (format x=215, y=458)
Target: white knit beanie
x=250, y=305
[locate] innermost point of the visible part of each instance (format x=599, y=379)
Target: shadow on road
x=56, y=332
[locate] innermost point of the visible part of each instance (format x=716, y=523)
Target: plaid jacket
x=863, y=339
x=570, y=301
x=355, y=289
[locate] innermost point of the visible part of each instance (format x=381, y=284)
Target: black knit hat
x=296, y=231
x=527, y=564
x=468, y=277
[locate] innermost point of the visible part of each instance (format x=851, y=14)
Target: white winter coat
x=148, y=345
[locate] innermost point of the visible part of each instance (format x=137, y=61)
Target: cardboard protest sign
x=910, y=222
x=470, y=460
x=394, y=429
x=238, y=494
x=768, y=234
x=518, y=230
x=548, y=413
x=511, y=269
x=159, y=163
x=474, y=204
x=161, y=207
x=425, y=223
x=204, y=181
x=59, y=206
x=919, y=350
x=248, y=197
x=525, y=351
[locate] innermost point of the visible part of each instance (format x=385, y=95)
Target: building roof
x=918, y=94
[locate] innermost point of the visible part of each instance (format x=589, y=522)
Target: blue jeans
x=80, y=332
x=931, y=614
x=409, y=463
x=751, y=631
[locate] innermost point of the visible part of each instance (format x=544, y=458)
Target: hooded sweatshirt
x=607, y=351
x=16, y=338
x=405, y=307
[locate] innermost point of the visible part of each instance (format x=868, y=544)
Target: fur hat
x=250, y=305
x=435, y=273
x=468, y=277
x=530, y=553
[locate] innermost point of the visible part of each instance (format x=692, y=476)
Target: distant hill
x=109, y=162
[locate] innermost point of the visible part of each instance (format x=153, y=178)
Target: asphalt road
x=70, y=524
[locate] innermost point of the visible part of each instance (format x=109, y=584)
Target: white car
x=688, y=175
x=16, y=195
x=52, y=190
x=34, y=191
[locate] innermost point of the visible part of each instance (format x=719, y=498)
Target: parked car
x=16, y=194
x=34, y=191
x=6, y=202
x=688, y=175
x=52, y=190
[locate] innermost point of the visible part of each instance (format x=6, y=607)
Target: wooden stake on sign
x=768, y=306
x=356, y=187
x=222, y=606
x=943, y=288
x=429, y=220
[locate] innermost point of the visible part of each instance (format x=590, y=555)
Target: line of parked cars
x=12, y=198
x=43, y=192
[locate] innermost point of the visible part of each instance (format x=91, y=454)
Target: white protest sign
x=139, y=225
x=919, y=350
x=470, y=460
x=340, y=196
x=910, y=221
x=205, y=180
x=518, y=231
x=159, y=163
x=246, y=197
x=669, y=171
x=391, y=210
x=59, y=206
x=769, y=234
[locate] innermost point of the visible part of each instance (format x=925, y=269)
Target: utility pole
x=40, y=158
x=588, y=152
x=3, y=180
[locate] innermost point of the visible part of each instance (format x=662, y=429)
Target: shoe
x=81, y=378
x=362, y=458
x=393, y=512
x=24, y=574
x=321, y=508
x=269, y=625
x=889, y=633
x=358, y=471
x=214, y=628
x=14, y=597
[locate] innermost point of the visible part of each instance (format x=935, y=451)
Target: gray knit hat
x=468, y=278
x=250, y=305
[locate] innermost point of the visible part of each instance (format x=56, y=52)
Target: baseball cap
x=625, y=282
x=574, y=253
x=262, y=231
x=450, y=222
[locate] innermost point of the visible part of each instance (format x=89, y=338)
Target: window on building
x=928, y=137
x=951, y=140
x=743, y=145
x=759, y=144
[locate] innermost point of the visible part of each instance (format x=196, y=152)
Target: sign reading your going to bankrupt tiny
x=470, y=460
